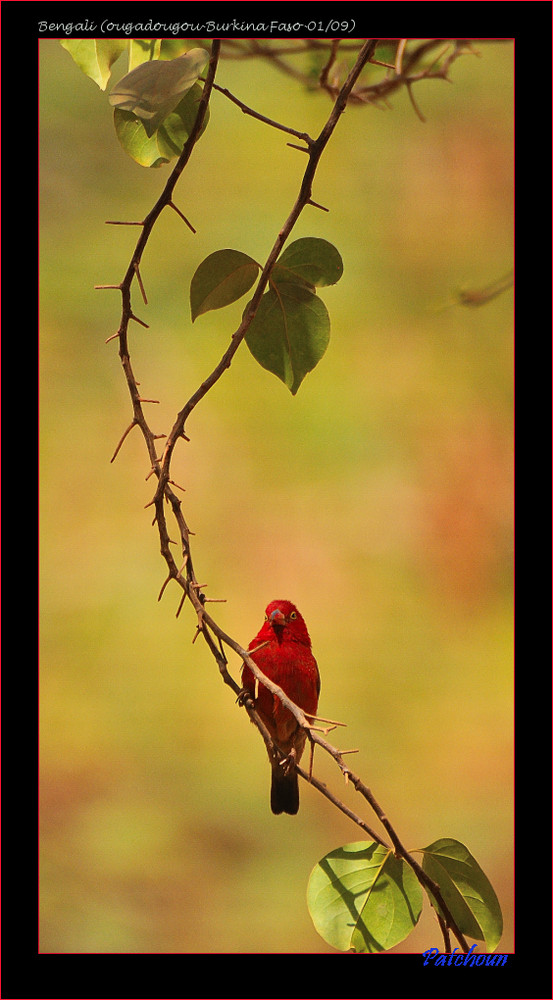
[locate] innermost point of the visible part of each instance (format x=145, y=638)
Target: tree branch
x=184, y=575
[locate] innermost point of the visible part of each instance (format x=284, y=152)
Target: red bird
x=287, y=660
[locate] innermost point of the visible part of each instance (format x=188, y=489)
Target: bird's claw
x=243, y=696
x=288, y=763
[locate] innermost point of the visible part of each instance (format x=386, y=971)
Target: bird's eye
x=293, y=614
x=266, y=618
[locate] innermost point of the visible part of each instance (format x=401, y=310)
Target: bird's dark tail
x=285, y=794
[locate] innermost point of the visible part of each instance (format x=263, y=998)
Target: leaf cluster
x=156, y=102
x=291, y=328
x=363, y=898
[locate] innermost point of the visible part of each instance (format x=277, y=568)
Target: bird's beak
x=277, y=618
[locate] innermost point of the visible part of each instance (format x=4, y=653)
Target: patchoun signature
x=432, y=955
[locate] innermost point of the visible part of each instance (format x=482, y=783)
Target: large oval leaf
x=168, y=141
x=312, y=260
x=289, y=333
x=362, y=898
x=153, y=89
x=466, y=890
x=95, y=56
x=221, y=278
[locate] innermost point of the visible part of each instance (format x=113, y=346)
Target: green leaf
x=466, y=890
x=221, y=278
x=143, y=50
x=362, y=898
x=289, y=333
x=168, y=141
x=153, y=89
x=314, y=261
x=95, y=57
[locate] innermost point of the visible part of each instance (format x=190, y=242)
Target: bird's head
x=286, y=622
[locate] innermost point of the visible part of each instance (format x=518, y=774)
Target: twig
x=481, y=296
x=414, y=104
x=323, y=76
x=262, y=118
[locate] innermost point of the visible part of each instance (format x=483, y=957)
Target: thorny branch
x=400, y=74
x=408, y=67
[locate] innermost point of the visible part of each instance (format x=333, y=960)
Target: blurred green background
x=379, y=500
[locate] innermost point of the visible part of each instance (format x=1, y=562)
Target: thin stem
x=262, y=118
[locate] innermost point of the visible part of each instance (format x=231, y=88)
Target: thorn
x=302, y=149
x=331, y=722
x=129, y=428
x=142, y=400
x=377, y=62
x=99, y=287
x=316, y=205
x=255, y=649
x=113, y=336
x=137, y=320
x=140, y=285
x=165, y=582
x=173, y=483
x=183, y=217
x=111, y=222
x=182, y=600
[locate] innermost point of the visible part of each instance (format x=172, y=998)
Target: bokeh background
x=379, y=499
